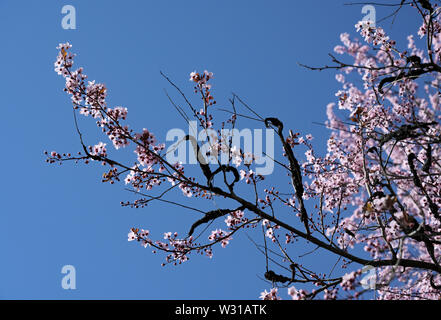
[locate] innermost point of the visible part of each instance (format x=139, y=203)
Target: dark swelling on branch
x=294, y=167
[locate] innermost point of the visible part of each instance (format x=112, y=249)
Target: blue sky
x=53, y=216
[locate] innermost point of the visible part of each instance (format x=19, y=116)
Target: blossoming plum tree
x=377, y=189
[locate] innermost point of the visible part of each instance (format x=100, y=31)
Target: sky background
x=53, y=215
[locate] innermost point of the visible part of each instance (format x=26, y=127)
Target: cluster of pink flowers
x=330, y=294
x=108, y=119
x=204, y=88
x=64, y=59
x=271, y=295
x=341, y=175
x=374, y=35
x=144, y=149
x=235, y=218
x=177, y=249
x=270, y=230
x=220, y=235
x=435, y=27
x=292, y=292
x=98, y=150
x=202, y=84
x=250, y=176
x=349, y=280
x=297, y=294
